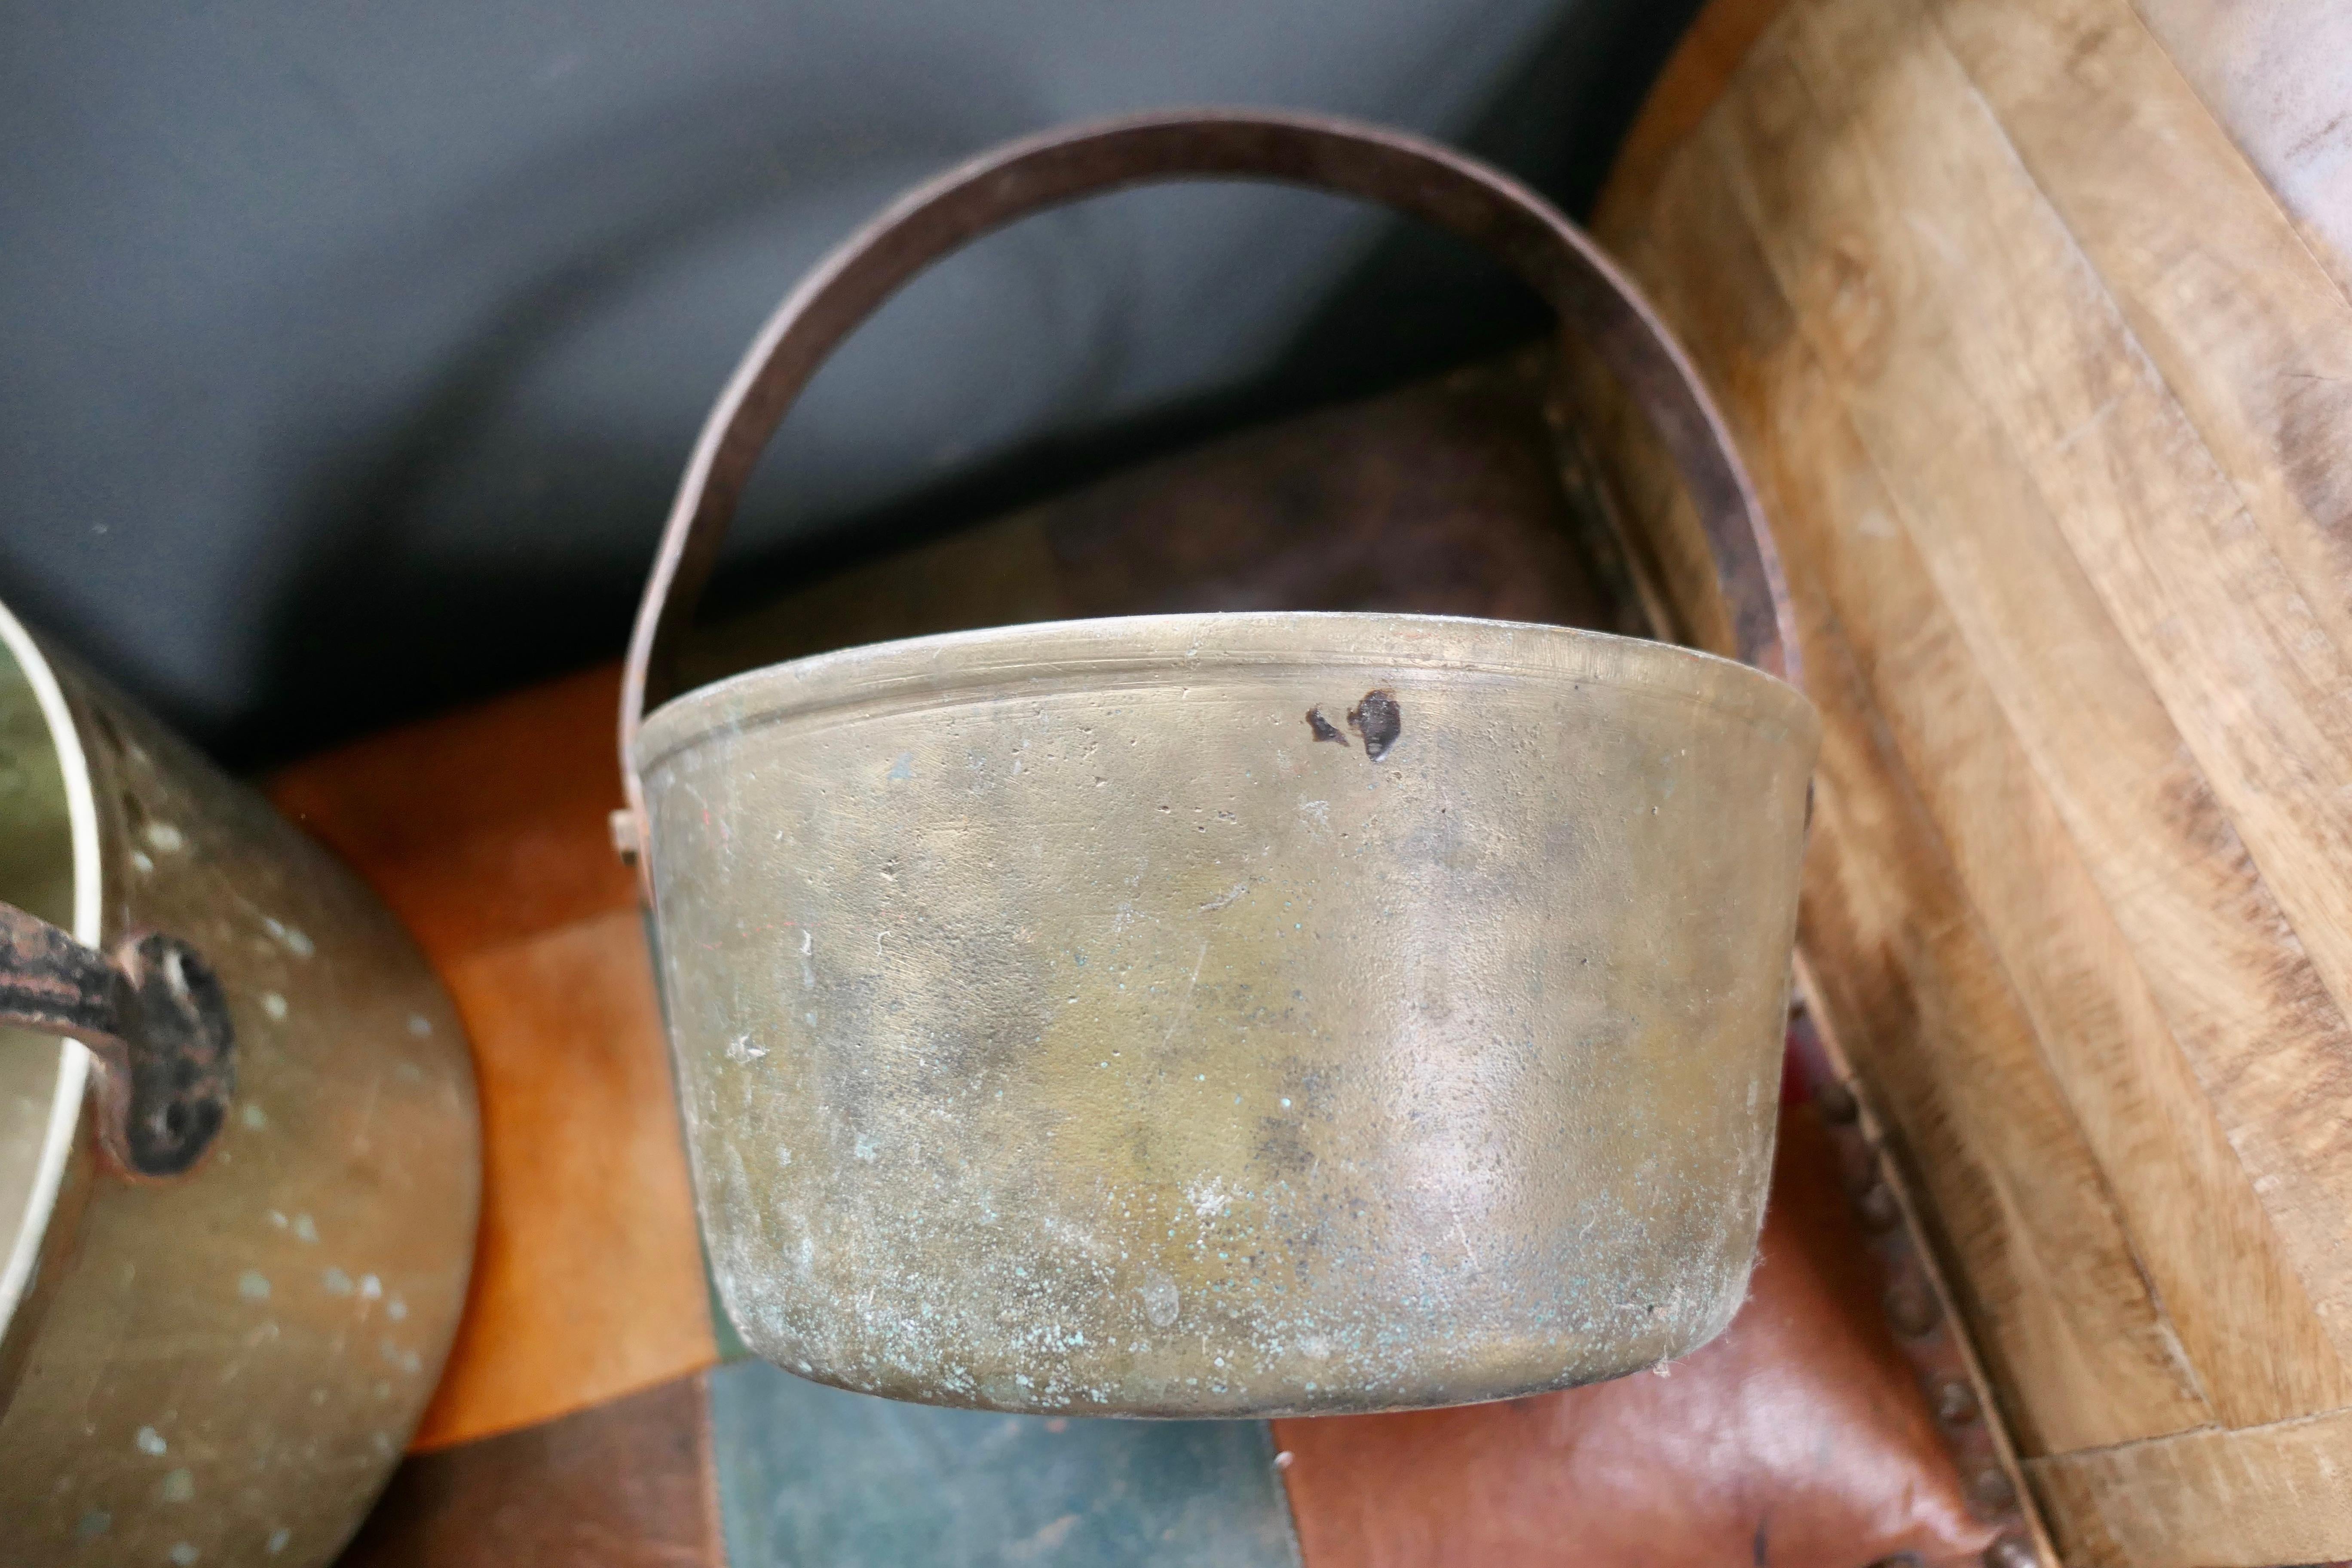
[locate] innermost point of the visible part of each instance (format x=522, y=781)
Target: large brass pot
x=232, y=1259
x=1226, y=1014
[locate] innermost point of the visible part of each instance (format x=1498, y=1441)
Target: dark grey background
x=352, y=352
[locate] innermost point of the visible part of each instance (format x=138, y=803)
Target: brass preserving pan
x=1226, y=1015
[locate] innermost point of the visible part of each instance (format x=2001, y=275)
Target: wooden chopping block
x=2031, y=320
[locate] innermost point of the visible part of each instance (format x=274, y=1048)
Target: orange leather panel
x=486, y=831
x=588, y=1277
x=483, y=825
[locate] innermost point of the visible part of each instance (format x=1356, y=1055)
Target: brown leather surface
x=1795, y=1438
x=626, y=1485
x=1443, y=498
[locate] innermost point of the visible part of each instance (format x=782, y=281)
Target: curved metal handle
x=155, y=1017
x=1419, y=177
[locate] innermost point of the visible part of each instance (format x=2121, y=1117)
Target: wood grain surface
x=2048, y=395
x=2279, y=77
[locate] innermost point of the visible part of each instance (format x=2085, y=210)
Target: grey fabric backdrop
x=351, y=352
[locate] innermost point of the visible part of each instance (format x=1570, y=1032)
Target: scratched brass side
x=1230, y=1014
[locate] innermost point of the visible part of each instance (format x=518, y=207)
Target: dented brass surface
x=1066, y=1024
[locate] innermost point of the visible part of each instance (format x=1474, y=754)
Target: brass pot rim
x=1136, y=651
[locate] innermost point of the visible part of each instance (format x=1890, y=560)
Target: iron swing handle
x=153, y=1013
x=1408, y=173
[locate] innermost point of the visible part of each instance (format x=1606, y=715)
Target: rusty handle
x=154, y=1015
x=1419, y=177
x=51, y=982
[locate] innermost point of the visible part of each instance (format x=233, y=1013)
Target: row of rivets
x=1914, y=1311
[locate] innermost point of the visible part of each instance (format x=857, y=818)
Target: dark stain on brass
x=155, y=1018
x=1324, y=729
x=1379, y=720
x=182, y=1057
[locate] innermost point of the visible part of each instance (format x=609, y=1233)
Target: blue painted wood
x=809, y=1477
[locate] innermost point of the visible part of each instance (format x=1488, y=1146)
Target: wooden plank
x=2265, y=1038
x=2193, y=1224
x=2056, y=1294
x=2112, y=1047
x=2281, y=1493
x=2170, y=866
x=2046, y=1266
x=2256, y=689
x=2279, y=77
x=2099, y=389
x=2246, y=330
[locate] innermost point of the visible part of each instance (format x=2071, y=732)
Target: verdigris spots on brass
x=182, y=1381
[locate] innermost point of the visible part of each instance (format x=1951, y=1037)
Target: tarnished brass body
x=1076, y=1017
x=221, y=1366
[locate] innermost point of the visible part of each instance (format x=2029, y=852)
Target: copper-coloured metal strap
x=1428, y=181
